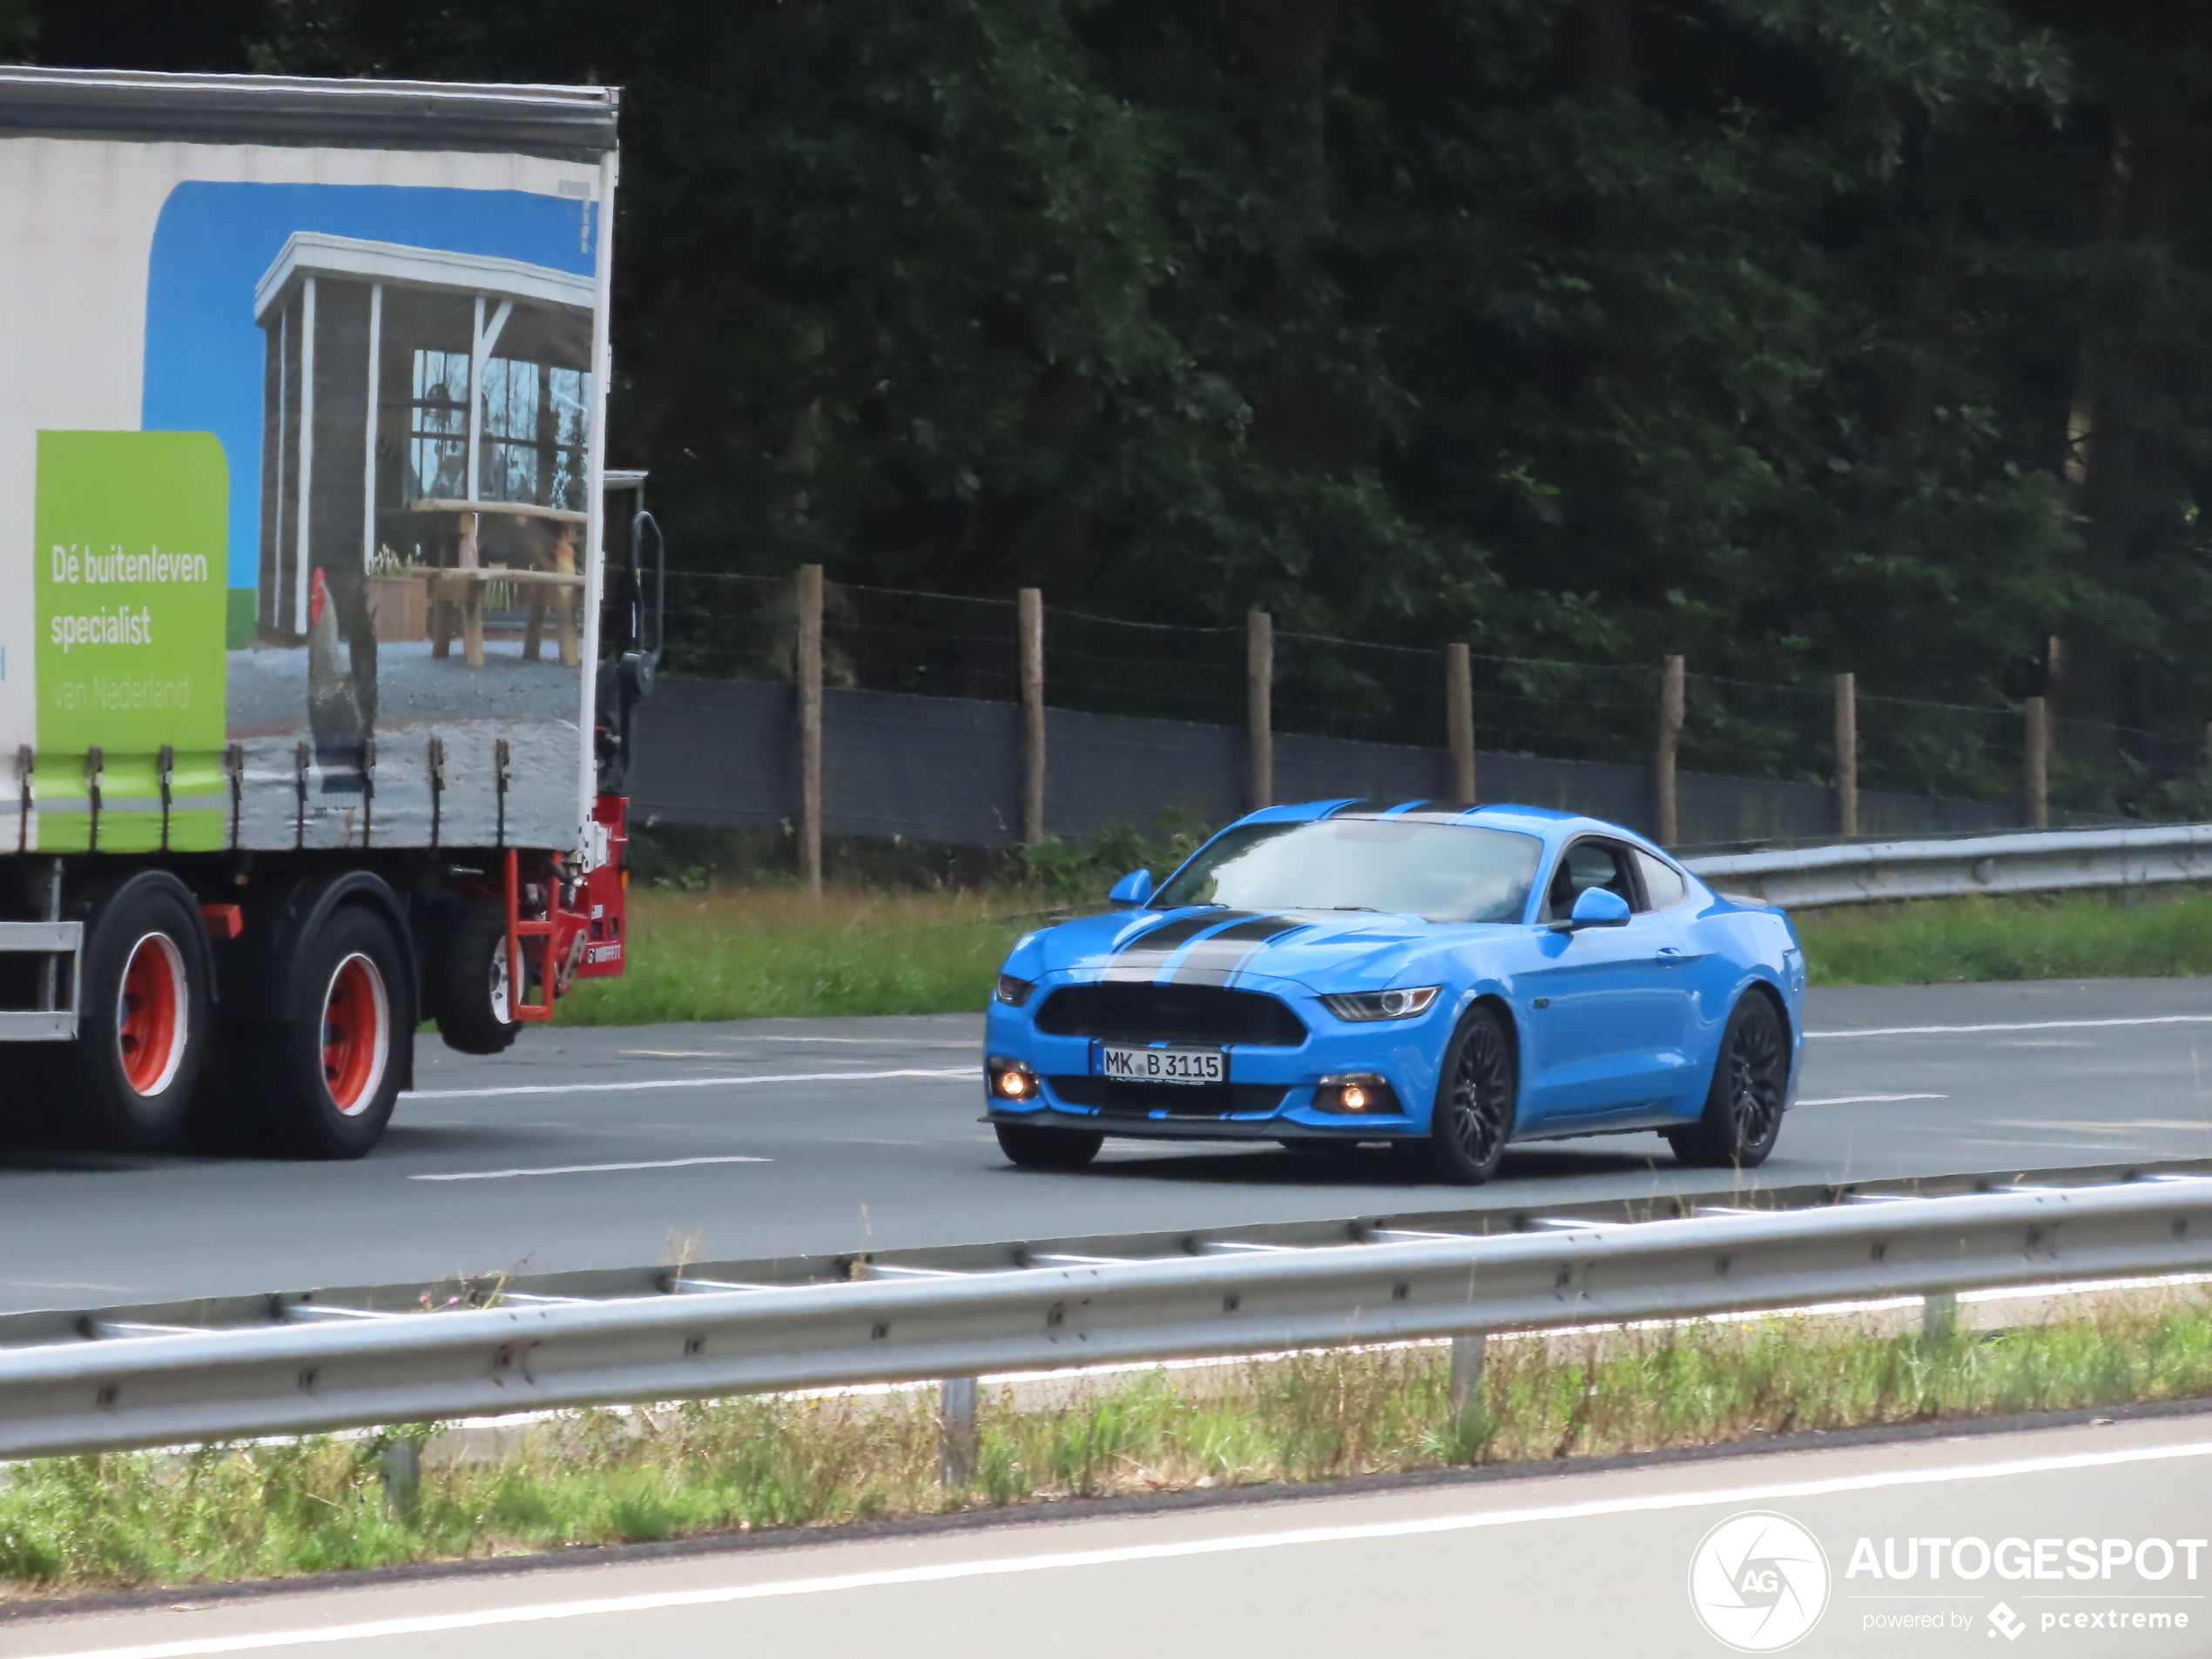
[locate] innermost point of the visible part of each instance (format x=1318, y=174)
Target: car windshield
x=1442, y=872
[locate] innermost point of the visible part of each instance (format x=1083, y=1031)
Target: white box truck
x=315, y=689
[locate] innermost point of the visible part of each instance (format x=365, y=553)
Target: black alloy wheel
x=1476, y=1100
x=1032, y=1146
x=1744, y=1108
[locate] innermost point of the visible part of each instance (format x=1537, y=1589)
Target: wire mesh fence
x=1743, y=729
x=1326, y=687
x=720, y=626
x=933, y=644
x=1949, y=750
x=1163, y=670
x=729, y=627
x=1565, y=710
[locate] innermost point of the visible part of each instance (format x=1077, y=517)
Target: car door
x=1606, y=1008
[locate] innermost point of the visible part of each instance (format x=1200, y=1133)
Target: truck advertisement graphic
x=394, y=559
x=303, y=736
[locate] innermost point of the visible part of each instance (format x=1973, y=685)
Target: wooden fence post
x=1459, y=720
x=810, y=727
x=1847, y=755
x=1259, y=693
x=2038, y=768
x=1033, y=726
x=1670, y=722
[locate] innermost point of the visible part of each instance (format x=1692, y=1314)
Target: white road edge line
x=587, y=1169
x=974, y=1071
x=1867, y=1100
x=2022, y=1025
x=430, y=1624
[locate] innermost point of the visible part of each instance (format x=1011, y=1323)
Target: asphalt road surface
x=2065, y=1540
x=616, y=1147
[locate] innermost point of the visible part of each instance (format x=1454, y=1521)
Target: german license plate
x=1132, y=1065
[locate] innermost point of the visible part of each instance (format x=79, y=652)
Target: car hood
x=1325, y=949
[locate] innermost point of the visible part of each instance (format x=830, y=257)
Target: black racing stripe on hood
x=1230, y=949
x=1435, y=812
x=1169, y=937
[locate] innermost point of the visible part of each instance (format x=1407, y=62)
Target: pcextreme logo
x=1758, y=1582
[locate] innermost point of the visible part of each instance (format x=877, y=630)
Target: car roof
x=1542, y=821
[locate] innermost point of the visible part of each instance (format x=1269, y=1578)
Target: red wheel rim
x=356, y=1035
x=151, y=1014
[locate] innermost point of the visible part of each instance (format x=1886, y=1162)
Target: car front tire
x=1030, y=1146
x=1743, y=1114
x=1477, y=1097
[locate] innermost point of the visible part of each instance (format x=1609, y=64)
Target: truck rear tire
x=323, y=1085
x=470, y=997
x=143, y=1008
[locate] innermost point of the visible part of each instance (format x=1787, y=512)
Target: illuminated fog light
x=1356, y=1091
x=1012, y=1081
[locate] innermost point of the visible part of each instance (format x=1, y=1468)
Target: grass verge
x=2077, y=936
x=760, y=952
x=118, y=1521
x=756, y=953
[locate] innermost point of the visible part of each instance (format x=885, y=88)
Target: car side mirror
x=1595, y=907
x=1131, y=891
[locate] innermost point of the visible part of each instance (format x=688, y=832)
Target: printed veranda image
x=333, y=582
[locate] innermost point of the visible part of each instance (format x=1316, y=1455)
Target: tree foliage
x=1790, y=335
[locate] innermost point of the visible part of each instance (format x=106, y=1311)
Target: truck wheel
x=143, y=1009
x=324, y=1085
x=470, y=998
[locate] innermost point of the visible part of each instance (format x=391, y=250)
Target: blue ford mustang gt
x=1446, y=979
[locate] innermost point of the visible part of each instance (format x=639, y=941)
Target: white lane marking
x=975, y=1071
x=585, y=1169
x=2024, y=1025
x=1236, y=1544
x=1866, y=1100
x=727, y=1053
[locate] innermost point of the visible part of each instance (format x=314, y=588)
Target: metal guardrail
x=2033, y=861
x=150, y=1385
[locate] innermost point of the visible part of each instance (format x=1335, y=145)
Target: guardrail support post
x=1670, y=723
x=1939, y=1318
x=402, y=1475
x=1259, y=694
x=2038, y=753
x=1459, y=720
x=810, y=727
x=1847, y=755
x=959, y=1439
x=1464, y=1391
x=1031, y=614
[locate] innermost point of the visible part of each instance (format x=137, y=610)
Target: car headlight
x=1013, y=992
x=1384, y=1005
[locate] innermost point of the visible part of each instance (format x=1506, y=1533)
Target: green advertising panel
x=131, y=533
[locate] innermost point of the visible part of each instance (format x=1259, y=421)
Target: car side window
x=1662, y=883
x=1589, y=864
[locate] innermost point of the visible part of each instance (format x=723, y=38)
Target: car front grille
x=1207, y=1013
x=1114, y=1099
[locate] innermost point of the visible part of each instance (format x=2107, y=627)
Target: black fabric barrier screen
x=724, y=754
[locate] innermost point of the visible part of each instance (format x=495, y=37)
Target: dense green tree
x=1790, y=335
